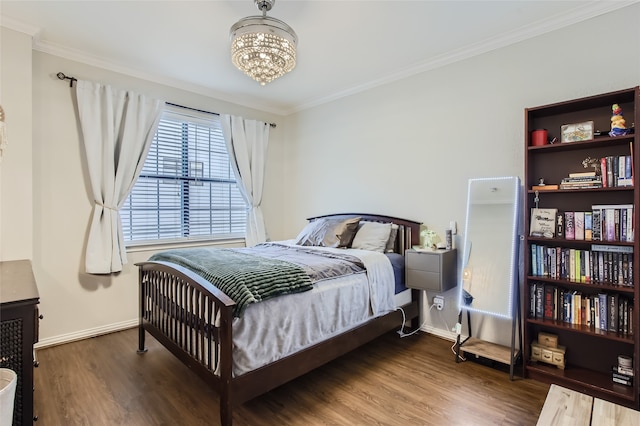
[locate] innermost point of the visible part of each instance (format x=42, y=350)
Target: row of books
x=603, y=311
x=601, y=265
x=584, y=180
x=616, y=171
x=603, y=223
x=612, y=222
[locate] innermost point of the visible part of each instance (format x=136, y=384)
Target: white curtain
x=117, y=128
x=247, y=142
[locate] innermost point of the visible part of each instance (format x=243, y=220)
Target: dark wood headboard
x=408, y=230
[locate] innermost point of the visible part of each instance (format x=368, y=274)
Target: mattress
x=333, y=306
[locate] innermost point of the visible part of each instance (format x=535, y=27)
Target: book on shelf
x=560, y=224
x=603, y=264
x=585, y=182
x=621, y=379
x=547, y=312
x=617, y=170
x=600, y=311
x=578, y=220
x=543, y=223
x=569, y=226
x=588, y=223
x=612, y=222
x=546, y=187
x=582, y=174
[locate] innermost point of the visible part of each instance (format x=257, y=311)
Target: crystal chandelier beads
x=262, y=47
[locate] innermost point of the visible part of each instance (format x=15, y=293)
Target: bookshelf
x=610, y=261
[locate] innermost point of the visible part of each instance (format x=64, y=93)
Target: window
x=187, y=189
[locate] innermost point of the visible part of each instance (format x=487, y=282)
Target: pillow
x=327, y=232
x=346, y=231
x=372, y=236
x=391, y=242
x=308, y=231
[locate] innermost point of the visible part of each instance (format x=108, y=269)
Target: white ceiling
x=344, y=46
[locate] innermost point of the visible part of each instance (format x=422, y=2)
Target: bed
x=218, y=338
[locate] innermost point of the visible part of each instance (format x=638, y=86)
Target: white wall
x=16, y=181
x=408, y=148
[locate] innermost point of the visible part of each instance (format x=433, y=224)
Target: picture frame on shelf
x=543, y=223
x=576, y=132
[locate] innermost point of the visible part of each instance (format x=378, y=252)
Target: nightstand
x=431, y=270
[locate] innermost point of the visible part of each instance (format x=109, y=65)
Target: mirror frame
x=512, y=264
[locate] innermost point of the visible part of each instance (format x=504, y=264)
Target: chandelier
x=262, y=47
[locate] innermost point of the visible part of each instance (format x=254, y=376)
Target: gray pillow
x=391, y=242
x=327, y=232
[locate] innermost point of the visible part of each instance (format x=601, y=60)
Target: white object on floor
x=8, y=380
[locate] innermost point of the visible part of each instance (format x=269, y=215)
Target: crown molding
x=83, y=57
x=581, y=13
x=21, y=27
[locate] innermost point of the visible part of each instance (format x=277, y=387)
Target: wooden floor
x=391, y=381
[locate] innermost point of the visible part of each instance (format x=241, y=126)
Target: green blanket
x=245, y=278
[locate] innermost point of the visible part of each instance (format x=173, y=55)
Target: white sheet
x=278, y=327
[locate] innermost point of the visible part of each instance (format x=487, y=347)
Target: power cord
x=454, y=352
x=401, y=332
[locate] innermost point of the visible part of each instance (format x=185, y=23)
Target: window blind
x=187, y=189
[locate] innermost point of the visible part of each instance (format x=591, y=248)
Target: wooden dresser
x=19, y=331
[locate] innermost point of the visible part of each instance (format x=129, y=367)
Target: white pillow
x=372, y=236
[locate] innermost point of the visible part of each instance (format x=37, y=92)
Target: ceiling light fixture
x=262, y=47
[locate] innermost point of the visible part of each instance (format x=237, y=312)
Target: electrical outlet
x=439, y=302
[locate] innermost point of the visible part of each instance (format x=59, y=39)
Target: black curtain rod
x=273, y=125
x=62, y=76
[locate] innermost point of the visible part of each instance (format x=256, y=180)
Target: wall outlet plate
x=438, y=301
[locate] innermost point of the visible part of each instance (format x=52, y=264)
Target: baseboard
x=447, y=335
x=111, y=328
x=85, y=334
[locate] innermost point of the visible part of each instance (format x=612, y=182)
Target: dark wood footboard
x=193, y=319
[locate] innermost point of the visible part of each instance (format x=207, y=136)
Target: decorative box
x=553, y=356
x=547, y=339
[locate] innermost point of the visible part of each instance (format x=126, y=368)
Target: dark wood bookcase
x=590, y=351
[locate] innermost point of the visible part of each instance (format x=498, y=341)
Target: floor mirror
x=489, y=283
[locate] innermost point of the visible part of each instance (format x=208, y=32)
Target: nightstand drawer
x=423, y=262
x=423, y=280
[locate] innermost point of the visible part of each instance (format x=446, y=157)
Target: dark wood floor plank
x=391, y=381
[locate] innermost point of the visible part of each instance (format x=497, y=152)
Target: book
x=612, y=310
x=602, y=303
x=596, y=231
x=548, y=302
x=572, y=264
x=532, y=300
x=539, y=300
x=588, y=223
x=559, y=224
x=543, y=223
x=578, y=219
x=569, y=226
x=551, y=187
x=581, y=174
